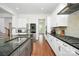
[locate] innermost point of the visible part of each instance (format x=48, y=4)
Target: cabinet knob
x=59, y=48
x=65, y=45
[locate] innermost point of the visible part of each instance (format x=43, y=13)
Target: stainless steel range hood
x=70, y=8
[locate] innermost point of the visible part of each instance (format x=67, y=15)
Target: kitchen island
x=18, y=46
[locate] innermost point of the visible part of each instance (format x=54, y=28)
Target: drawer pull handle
x=65, y=45
x=59, y=48
x=77, y=53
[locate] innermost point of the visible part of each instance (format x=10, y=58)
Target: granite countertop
x=70, y=40
x=8, y=47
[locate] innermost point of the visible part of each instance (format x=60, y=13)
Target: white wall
x=23, y=19
x=55, y=20
x=7, y=20
x=62, y=20
x=71, y=21
x=58, y=20
x=48, y=24
x=2, y=28
x=73, y=26
x=4, y=22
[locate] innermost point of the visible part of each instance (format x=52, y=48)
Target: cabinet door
x=68, y=50
x=48, y=39
x=61, y=48
x=28, y=48
x=25, y=49
x=64, y=49
x=55, y=45
x=22, y=50
x=58, y=44
x=62, y=20
x=16, y=53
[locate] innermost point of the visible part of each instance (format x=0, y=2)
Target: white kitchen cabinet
x=68, y=50
x=49, y=39
x=61, y=20
x=58, y=47
x=61, y=48
x=54, y=44
x=65, y=51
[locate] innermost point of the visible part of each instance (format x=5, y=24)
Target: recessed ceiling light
x=42, y=8
x=17, y=8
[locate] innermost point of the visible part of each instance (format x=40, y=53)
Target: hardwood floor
x=42, y=49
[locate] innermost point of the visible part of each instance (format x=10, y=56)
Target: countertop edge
x=66, y=42
x=19, y=46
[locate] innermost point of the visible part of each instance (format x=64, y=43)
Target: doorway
x=41, y=29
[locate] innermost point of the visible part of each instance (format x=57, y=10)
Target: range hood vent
x=70, y=8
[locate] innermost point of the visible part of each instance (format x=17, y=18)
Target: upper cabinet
x=59, y=20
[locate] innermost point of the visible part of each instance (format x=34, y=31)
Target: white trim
x=7, y=9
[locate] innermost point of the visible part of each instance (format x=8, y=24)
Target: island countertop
x=9, y=47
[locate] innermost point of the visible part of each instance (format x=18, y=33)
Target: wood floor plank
x=42, y=49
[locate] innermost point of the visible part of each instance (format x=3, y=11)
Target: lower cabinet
x=61, y=48
x=66, y=52
x=15, y=53
x=24, y=50
x=56, y=46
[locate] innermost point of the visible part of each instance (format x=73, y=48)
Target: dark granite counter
x=10, y=46
x=69, y=40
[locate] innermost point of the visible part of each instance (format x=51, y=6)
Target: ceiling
x=31, y=8
x=2, y=11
